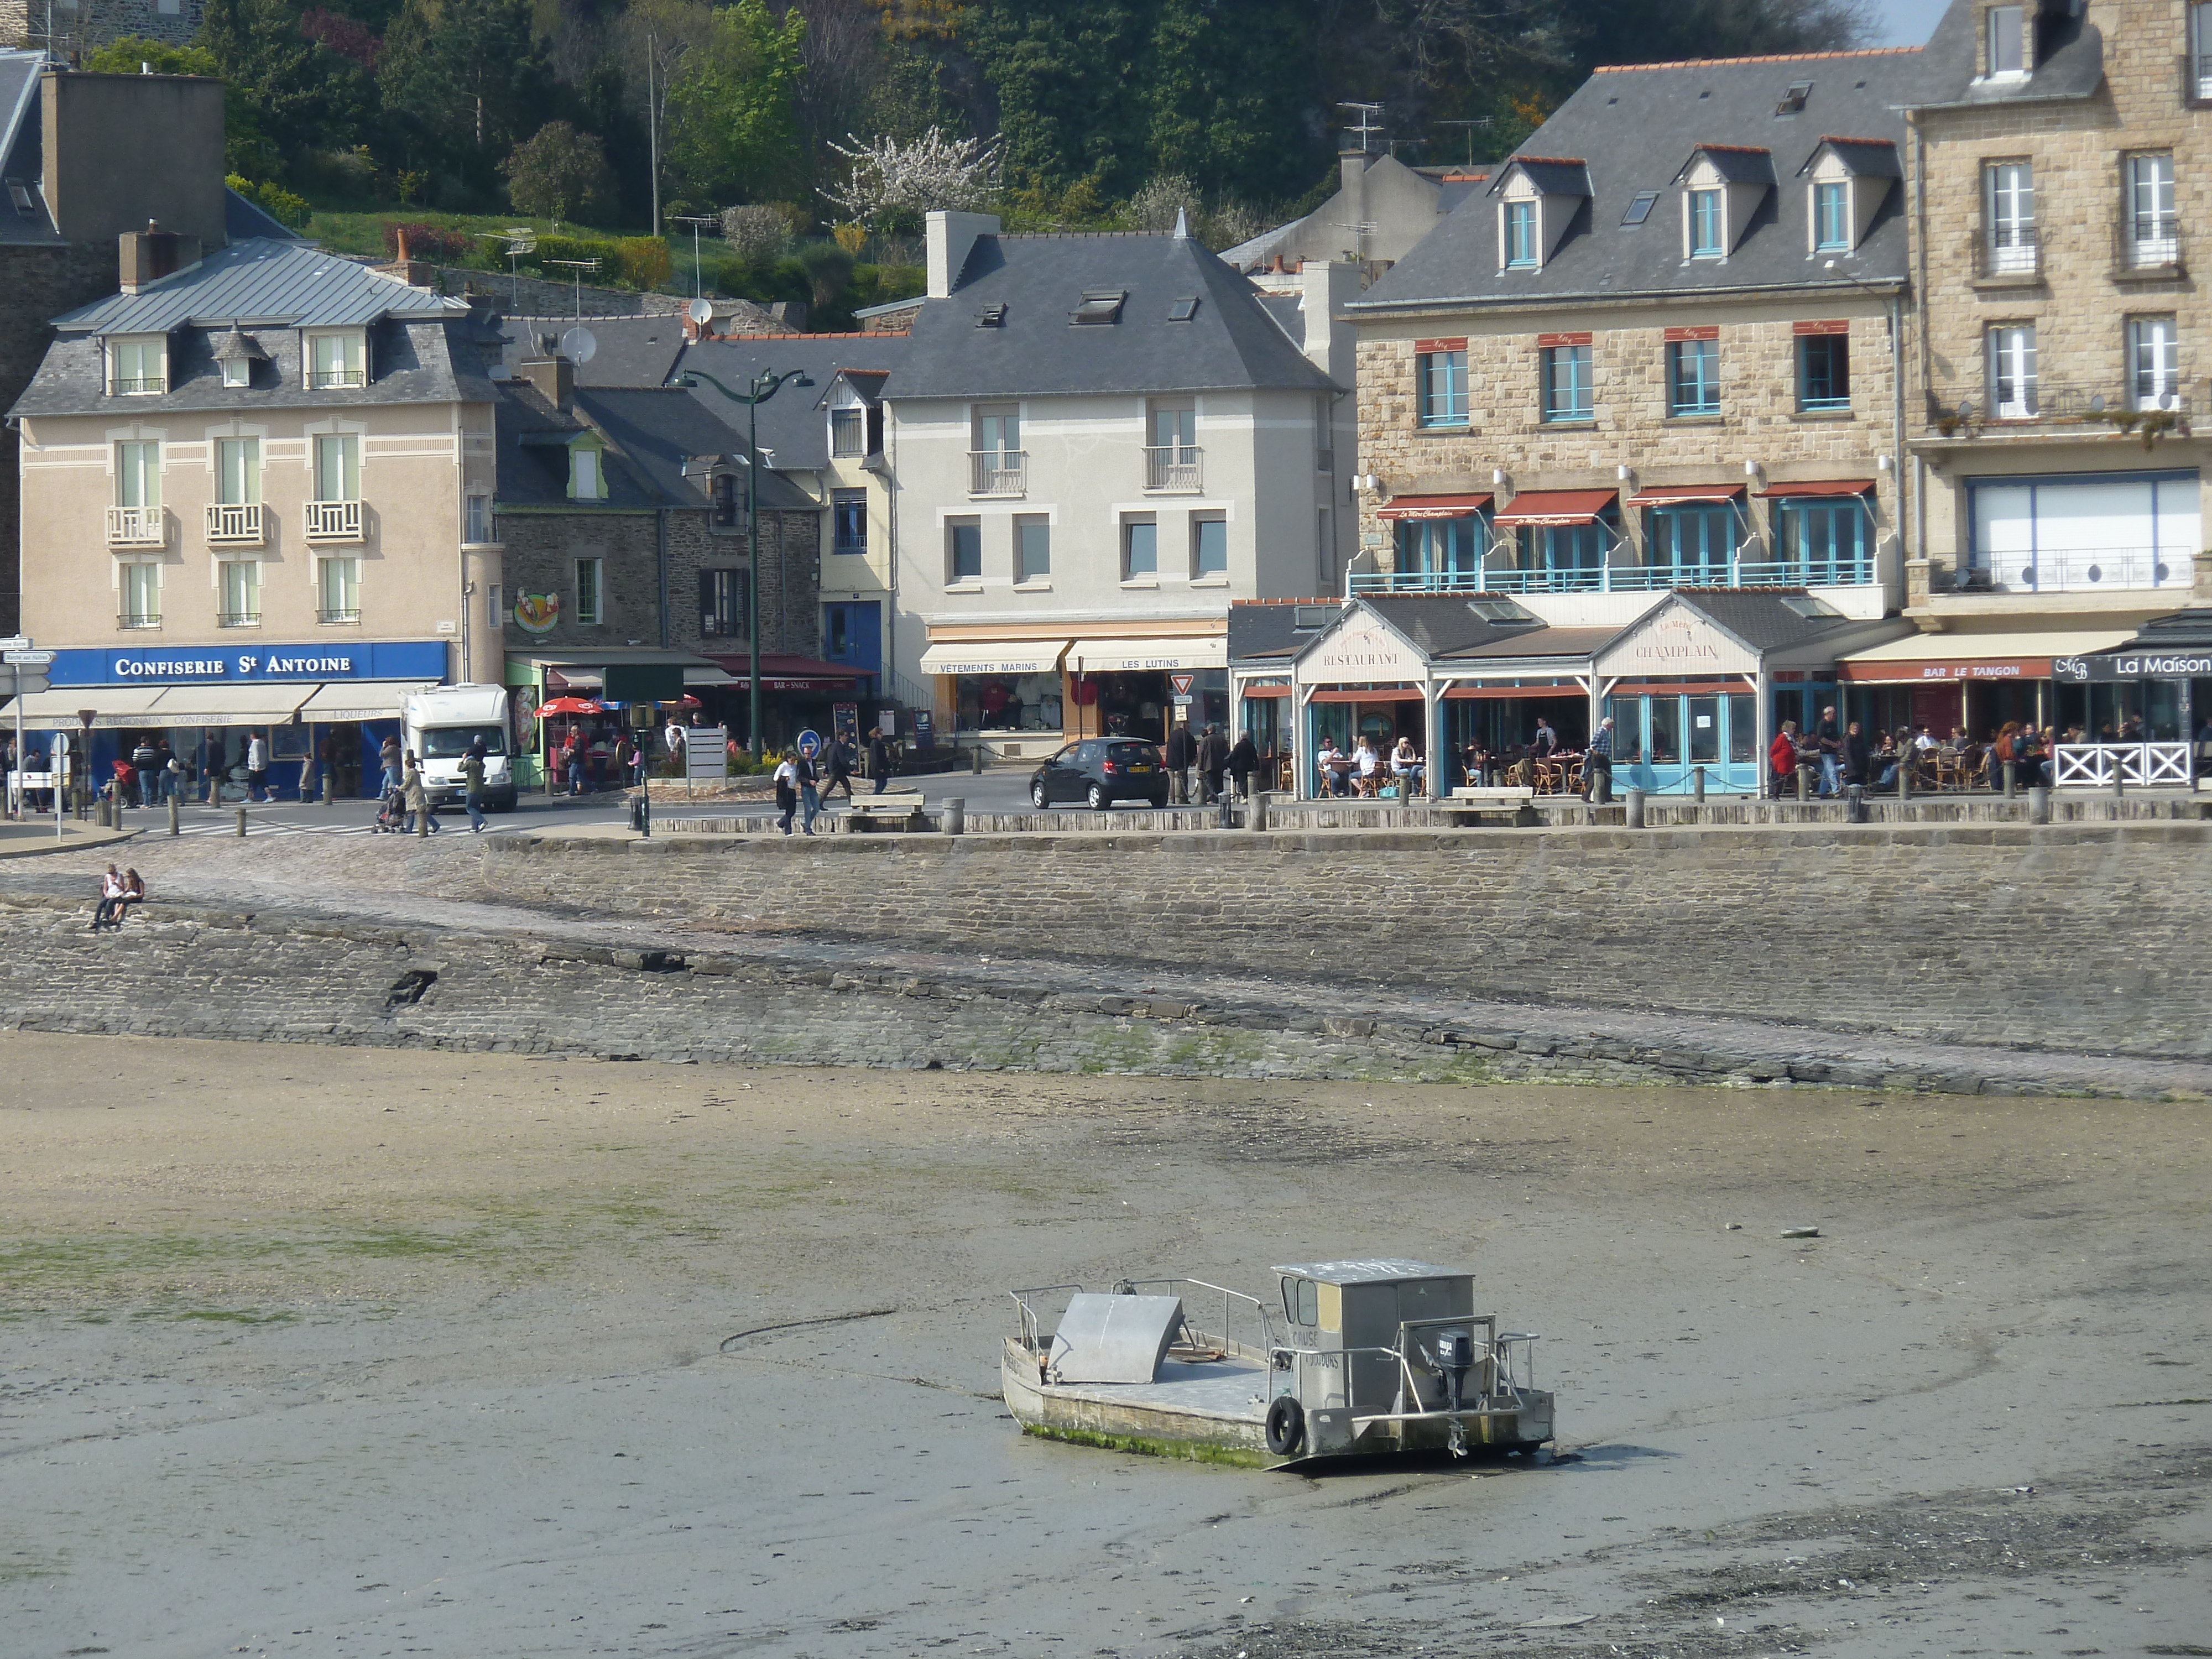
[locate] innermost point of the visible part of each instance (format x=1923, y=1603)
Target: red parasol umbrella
x=689, y=702
x=570, y=706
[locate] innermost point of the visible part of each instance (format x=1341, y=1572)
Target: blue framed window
x=1441, y=553
x=1824, y=373
x=1565, y=558
x=1832, y=211
x=849, y=521
x=1691, y=545
x=1442, y=378
x=1823, y=541
x=1565, y=371
x=1521, y=248
x=1694, y=377
x=1707, y=215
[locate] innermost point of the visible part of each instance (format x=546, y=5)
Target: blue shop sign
x=255, y=665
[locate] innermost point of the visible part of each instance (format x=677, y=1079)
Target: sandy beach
x=329, y=1352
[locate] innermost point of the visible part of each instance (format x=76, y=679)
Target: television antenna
x=520, y=240
x=579, y=266
x=1370, y=124
x=696, y=221
x=1480, y=121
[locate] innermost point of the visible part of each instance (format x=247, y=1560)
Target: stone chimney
x=950, y=238
x=555, y=377
x=1351, y=185
x=147, y=256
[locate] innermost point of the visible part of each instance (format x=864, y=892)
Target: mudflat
x=318, y=1351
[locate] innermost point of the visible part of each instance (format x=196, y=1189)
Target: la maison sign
x=1362, y=651
x=2134, y=666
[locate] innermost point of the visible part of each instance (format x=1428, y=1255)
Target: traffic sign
x=810, y=744
x=1183, y=684
x=1183, y=700
x=15, y=642
x=27, y=681
x=27, y=658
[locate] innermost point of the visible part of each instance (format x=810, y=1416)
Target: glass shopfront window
x=1662, y=737
x=1007, y=703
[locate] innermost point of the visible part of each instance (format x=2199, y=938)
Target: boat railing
x=1031, y=1337
x=1498, y=1375
x=1245, y=1332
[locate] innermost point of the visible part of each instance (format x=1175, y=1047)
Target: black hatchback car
x=1100, y=771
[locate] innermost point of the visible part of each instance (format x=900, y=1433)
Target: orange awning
x=1434, y=506
x=1555, y=507
x=1821, y=487
x=1686, y=495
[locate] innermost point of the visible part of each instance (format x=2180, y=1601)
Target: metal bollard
x=175, y=829
x=952, y=815
x=1224, y=816
x=1636, y=809
x=1855, y=803
x=2039, y=805
x=1255, y=813
x=241, y=821
x=1698, y=787
x=1804, y=784
x=2120, y=783
x=422, y=819
x=975, y=760
x=2011, y=778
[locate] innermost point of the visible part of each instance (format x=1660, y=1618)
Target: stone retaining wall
x=2089, y=938
x=181, y=972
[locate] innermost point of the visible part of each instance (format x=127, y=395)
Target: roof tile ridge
x=1737, y=150
x=1552, y=160
x=1837, y=139
x=1766, y=57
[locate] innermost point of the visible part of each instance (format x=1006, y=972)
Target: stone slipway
x=406, y=971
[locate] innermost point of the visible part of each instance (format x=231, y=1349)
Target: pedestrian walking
x=1828, y=740
x=1211, y=759
x=879, y=761
x=257, y=768
x=571, y=762
x=1853, y=757
x=1243, y=762
x=417, y=797
x=786, y=790
x=1782, y=757
x=472, y=783
x=1597, y=765
x=145, y=767
x=841, y=769
x=810, y=792
x=387, y=757
x=1180, y=750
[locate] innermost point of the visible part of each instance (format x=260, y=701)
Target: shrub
x=756, y=232
x=644, y=261
x=278, y=203
x=447, y=247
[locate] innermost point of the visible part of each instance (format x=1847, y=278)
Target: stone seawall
x=2083, y=938
x=180, y=971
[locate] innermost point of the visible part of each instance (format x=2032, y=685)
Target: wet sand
x=329, y=1352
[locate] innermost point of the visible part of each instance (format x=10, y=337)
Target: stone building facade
x=75, y=27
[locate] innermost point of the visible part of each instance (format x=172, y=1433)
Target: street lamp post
x=765, y=386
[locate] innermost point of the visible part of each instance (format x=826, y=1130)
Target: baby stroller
x=390, y=814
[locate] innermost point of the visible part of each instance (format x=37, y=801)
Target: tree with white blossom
x=893, y=185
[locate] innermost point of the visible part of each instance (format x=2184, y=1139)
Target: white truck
x=440, y=725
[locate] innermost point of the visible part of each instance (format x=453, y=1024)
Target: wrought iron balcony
x=234, y=523
x=138, y=526
x=237, y=619
x=1840, y=571
x=998, y=471
x=334, y=521
x=325, y=380
x=2006, y=252
x=2147, y=246
x=348, y=615
x=2089, y=570
x=139, y=619
x=1174, y=468
x=2043, y=401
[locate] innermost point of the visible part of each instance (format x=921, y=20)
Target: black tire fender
x=1287, y=1426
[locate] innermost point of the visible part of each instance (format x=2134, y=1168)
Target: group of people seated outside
x=1884, y=761
x=1367, y=770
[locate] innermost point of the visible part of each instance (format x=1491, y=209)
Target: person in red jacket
x=1782, y=757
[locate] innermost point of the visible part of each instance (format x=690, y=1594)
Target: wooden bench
x=1514, y=802
x=900, y=811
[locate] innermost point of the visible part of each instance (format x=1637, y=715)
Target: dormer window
x=2006, y=43
x=1831, y=218
x=1100, y=305
x=1521, y=246
x=235, y=353
x=238, y=372
x=1708, y=224
x=1539, y=198
x=138, y=368
x=336, y=360
x=587, y=478
x=849, y=432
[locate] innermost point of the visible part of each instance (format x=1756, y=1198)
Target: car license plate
x=1141, y=765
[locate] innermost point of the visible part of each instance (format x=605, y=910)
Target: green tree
x=125, y=56
x=1065, y=76
x=464, y=82
x=559, y=173
x=732, y=135
x=1228, y=87
x=284, y=97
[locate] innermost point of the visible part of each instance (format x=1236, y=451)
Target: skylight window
x=1639, y=209
x=1793, y=101
x=992, y=316
x=1311, y=618
x=1100, y=305
x=20, y=194
x=1182, y=311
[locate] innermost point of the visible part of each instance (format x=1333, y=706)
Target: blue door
x=852, y=634
x=1662, y=740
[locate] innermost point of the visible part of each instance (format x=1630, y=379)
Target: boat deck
x=1230, y=1389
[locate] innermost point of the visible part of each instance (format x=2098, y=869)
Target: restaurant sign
x=1361, y=650
x=194, y=664
x=2133, y=665
x=1898, y=674
x=1676, y=640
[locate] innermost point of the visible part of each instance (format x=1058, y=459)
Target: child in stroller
x=390, y=814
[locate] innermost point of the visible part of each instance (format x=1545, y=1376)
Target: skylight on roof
x=1182, y=311
x=992, y=316
x=20, y=194
x=1503, y=612
x=1311, y=618
x=1640, y=209
x=1100, y=305
x=1793, y=100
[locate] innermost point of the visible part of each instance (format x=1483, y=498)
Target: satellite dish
x=2097, y=403
x=580, y=345
x=701, y=311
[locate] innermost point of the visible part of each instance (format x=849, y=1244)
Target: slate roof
x=411, y=361
x=794, y=428
x=2070, y=64
x=2183, y=630
x=244, y=222
x=632, y=350
x=1631, y=130
x=1764, y=621
x=288, y=283
x=658, y=428
x=1268, y=628
x=22, y=149
x=1230, y=344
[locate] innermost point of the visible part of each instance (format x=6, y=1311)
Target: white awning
x=361, y=699
x=994, y=657
x=1146, y=656
x=229, y=705
x=709, y=676
x=56, y=710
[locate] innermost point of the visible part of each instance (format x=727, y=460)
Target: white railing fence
x=2135, y=765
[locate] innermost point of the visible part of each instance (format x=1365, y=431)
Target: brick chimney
x=555, y=377
x=147, y=256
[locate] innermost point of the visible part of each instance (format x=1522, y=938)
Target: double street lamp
x=765, y=386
